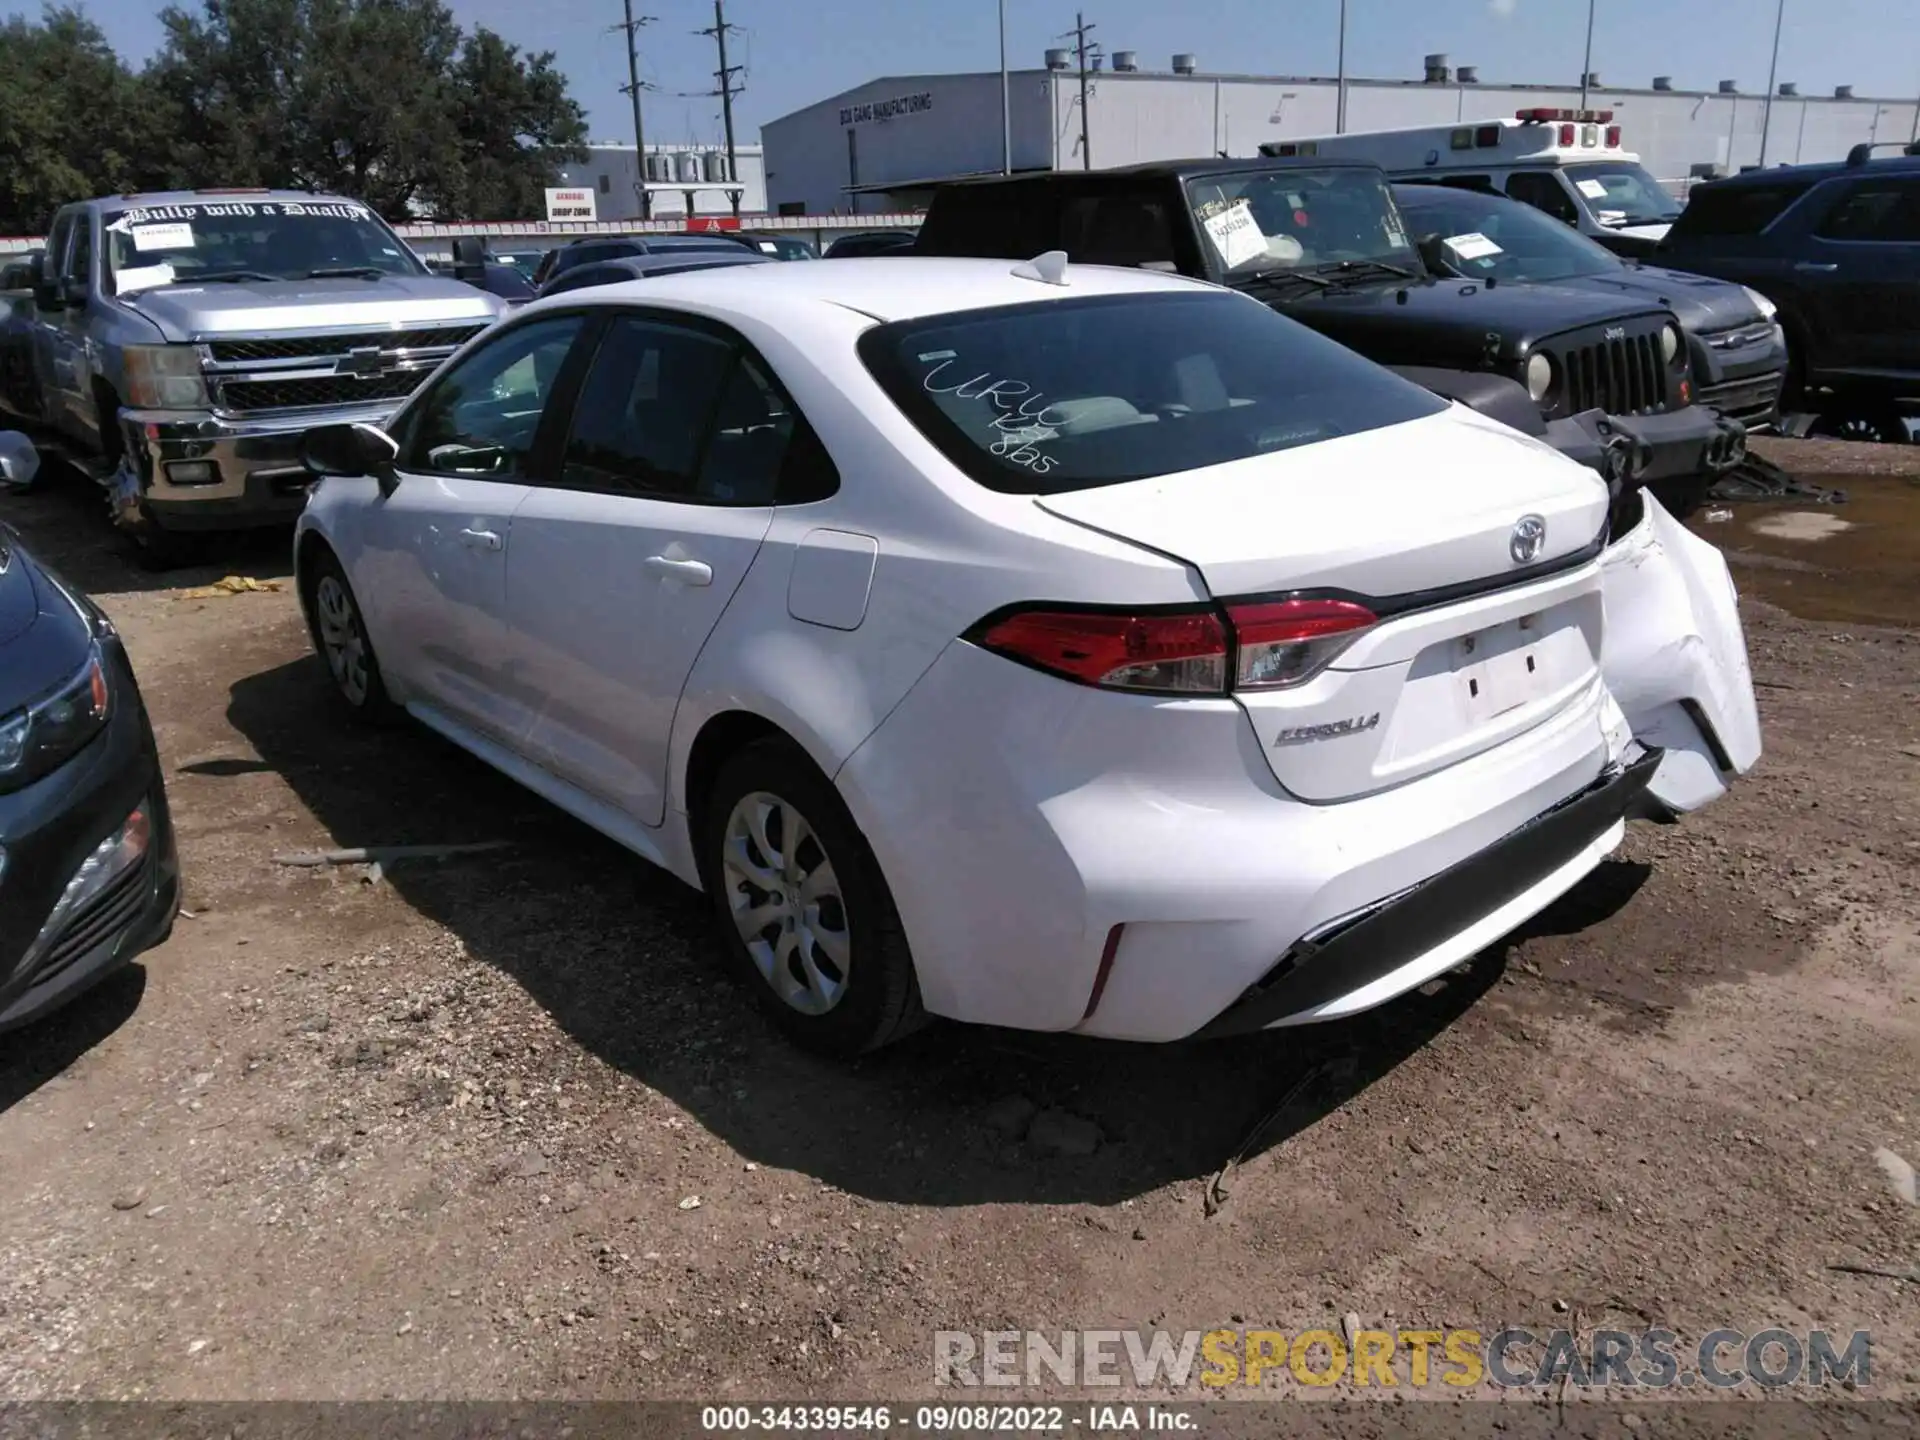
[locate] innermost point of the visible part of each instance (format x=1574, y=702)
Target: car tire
x=340, y=639
x=1875, y=424
x=161, y=550
x=830, y=964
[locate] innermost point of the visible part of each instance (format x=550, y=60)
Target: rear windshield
x=1065, y=395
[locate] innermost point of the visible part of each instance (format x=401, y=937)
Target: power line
x=632, y=90
x=727, y=89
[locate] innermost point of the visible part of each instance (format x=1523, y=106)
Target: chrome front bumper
x=251, y=467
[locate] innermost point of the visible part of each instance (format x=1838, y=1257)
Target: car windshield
x=1071, y=394
x=1618, y=195
x=249, y=240
x=1483, y=235
x=1299, y=219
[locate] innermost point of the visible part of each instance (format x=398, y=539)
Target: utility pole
x=1006, y=100
x=726, y=92
x=632, y=90
x=1081, y=49
x=1340, y=102
x=1586, y=65
x=1773, y=70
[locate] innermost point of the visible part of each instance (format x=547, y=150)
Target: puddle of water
x=1857, y=562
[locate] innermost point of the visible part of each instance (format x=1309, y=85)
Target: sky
x=799, y=51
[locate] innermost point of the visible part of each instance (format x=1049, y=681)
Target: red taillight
x=1178, y=652
x=1283, y=642
x=1271, y=644
x=1566, y=134
x=1613, y=137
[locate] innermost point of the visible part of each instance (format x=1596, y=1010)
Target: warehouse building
x=680, y=180
x=885, y=144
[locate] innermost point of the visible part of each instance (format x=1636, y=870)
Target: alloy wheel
x=786, y=902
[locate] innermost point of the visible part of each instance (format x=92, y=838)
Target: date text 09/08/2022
x=947, y=1419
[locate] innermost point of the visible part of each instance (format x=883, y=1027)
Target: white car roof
x=886, y=287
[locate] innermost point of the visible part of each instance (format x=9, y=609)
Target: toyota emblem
x=1529, y=538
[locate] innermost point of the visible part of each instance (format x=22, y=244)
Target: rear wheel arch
x=721, y=738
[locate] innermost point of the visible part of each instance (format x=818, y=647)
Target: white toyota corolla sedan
x=1050, y=646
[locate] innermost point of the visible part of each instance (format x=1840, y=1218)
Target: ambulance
x=1566, y=162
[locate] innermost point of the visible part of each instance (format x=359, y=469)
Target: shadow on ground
x=37, y=1055
x=63, y=520
x=621, y=956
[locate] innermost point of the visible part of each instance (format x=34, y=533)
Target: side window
x=644, y=409
x=1119, y=230
x=80, y=257
x=54, y=257
x=481, y=418
x=678, y=414
x=1882, y=210
x=1542, y=190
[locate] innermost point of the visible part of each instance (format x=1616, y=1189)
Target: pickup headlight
x=1669, y=342
x=165, y=377
x=1768, y=310
x=1539, y=377
x=47, y=734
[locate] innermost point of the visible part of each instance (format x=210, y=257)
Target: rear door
x=1864, y=259
x=623, y=564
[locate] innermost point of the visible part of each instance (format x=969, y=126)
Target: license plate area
x=1500, y=668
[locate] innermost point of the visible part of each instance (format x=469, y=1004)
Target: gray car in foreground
x=182, y=343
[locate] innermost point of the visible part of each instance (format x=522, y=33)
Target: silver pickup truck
x=176, y=346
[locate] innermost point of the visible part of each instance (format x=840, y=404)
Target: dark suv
x=1602, y=377
x=1837, y=248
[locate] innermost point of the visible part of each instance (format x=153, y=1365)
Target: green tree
x=73, y=118
x=384, y=100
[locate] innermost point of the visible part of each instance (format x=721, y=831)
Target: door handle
x=480, y=539
x=687, y=572
x=1817, y=266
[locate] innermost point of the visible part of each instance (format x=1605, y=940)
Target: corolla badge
x=1528, y=539
x=1297, y=734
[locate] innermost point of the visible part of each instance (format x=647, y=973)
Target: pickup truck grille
x=300, y=347
x=248, y=374
x=319, y=390
x=1623, y=376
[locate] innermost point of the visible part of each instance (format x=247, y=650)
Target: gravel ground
x=495, y=1126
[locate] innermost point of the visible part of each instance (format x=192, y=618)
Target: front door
x=432, y=579
x=622, y=567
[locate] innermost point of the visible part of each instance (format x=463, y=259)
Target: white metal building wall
x=1155, y=116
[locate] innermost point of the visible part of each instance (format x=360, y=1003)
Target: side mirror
x=347, y=450
x=1433, y=253
x=47, y=291
x=470, y=259
x=19, y=461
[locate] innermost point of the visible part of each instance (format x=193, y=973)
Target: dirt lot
x=495, y=1127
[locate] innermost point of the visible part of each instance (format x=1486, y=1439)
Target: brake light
x=1613, y=137
x=1283, y=642
x=1261, y=645
x=1179, y=652
x=1566, y=135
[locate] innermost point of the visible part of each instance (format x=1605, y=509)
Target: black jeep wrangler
x=1604, y=379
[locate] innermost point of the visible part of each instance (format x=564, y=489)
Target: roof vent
x=1729, y=87
x=1592, y=82
x=1093, y=60
x=1436, y=67
x=1126, y=60
x=1843, y=92
x=1663, y=82
x=1057, y=60
x=1468, y=74
x=1787, y=87
x=1184, y=64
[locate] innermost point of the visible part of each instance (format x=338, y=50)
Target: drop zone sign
x=570, y=205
